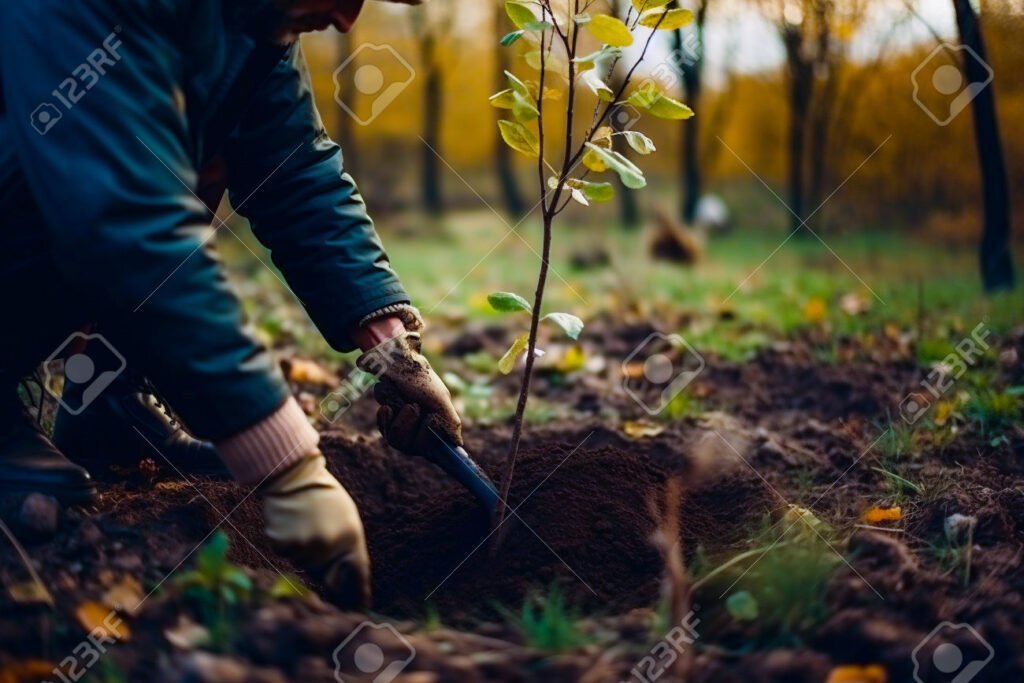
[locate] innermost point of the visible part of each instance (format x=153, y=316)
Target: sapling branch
x=613, y=34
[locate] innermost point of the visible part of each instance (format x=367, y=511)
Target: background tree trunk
x=691, y=67
x=515, y=206
x=431, y=194
x=994, y=253
x=800, y=74
x=629, y=210
x=345, y=133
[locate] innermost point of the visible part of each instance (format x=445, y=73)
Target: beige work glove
x=312, y=520
x=413, y=400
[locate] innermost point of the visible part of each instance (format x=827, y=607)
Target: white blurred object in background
x=712, y=214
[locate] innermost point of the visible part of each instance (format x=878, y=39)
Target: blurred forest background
x=838, y=71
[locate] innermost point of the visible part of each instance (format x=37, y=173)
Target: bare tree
x=994, y=252
x=689, y=56
x=504, y=166
x=430, y=25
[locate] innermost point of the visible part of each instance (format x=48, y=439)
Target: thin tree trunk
x=504, y=166
x=691, y=69
x=994, y=253
x=800, y=89
x=345, y=132
x=430, y=181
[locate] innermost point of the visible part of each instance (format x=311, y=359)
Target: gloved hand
x=413, y=399
x=311, y=519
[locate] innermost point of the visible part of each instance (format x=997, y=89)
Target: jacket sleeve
x=308, y=212
x=110, y=168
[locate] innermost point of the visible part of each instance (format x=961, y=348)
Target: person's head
x=301, y=16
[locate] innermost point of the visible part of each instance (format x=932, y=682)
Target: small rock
x=40, y=515
x=89, y=533
x=1009, y=358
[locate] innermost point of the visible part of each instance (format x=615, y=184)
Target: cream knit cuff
x=270, y=446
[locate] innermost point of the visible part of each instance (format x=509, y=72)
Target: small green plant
x=547, y=622
x=899, y=441
x=573, y=47
x=995, y=412
x=778, y=587
x=215, y=588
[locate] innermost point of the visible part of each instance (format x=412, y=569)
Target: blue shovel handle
x=456, y=462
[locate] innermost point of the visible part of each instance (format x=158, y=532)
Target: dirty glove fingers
x=310, y=518
x=404, y=428
x=346, y=583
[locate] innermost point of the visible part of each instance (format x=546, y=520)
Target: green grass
x=548, y=623
x=740, y=298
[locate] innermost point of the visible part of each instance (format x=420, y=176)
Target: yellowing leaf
x=877, y=515
x=303, y=371
x=641, y=429
x=101, y=620
x=508, y=362
x=666, y=19
x=629, y=173
x=641, y=5
x=519, y=13
x=815, y=310
x=572, y=360
x=872, y=673
x=502, y=99
x=594, y=162
x=610, y=30
x=649, y=98
x=519, y=138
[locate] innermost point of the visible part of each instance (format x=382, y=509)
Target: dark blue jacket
x=110, y=108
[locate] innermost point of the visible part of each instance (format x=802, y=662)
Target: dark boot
x=30, y=463
x=125, y=424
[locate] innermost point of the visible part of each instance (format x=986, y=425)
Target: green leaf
x=519, y=138
x=510, y=38
x=519, y=13
x=610, y=30
x=516, y=84
x=289, y=586
x=640, y=143
x=630, y=175
x=742, y=606
x=666, y=19
x=595, y=192
x=503, y=99
x=568, y=322
x=538, y=25
x=641, y=5
x=523, y=108
x=508, y=302
x=213, y=556
x=657, y=103
x=508, y=362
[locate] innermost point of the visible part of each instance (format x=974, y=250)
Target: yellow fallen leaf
x=101, y=620
x=572, y=360
x=639, y=429
x=815, y=310
x=29, y=593
x=876, y=515
x=303, y=371
x=124, y=596
x=872, y=673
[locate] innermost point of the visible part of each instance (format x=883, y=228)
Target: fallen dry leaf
x=640, y=429
x=26, y=671
x=854, y=304
x=304, y=371
x=877, y=515
x=815, y=310
x=124, y=596
x=29, y=593
x=872, y=673
x=100, y=619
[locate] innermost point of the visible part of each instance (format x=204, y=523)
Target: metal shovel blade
x=456, y=462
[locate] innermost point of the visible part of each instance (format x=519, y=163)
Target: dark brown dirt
x=586, y=493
